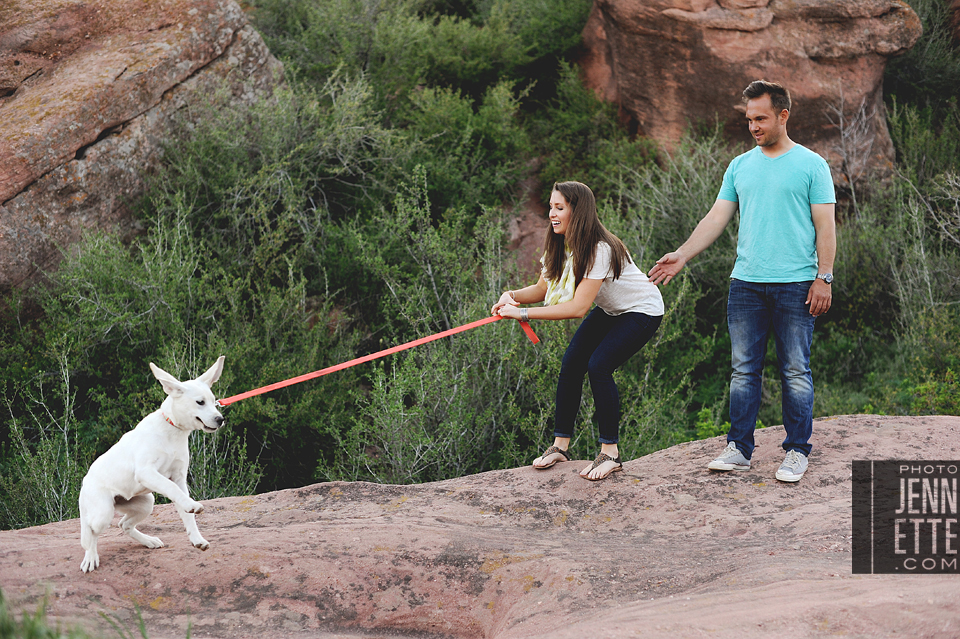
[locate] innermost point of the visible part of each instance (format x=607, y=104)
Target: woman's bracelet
x=524, y=314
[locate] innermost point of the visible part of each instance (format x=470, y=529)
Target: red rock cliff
x=87, y=90
x=670, y=63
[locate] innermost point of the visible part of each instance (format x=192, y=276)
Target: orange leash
x=367, y=358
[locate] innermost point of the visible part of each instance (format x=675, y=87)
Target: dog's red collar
x=168, y=420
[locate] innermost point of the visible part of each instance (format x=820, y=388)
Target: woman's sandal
x=550, y=451
x=602, y=458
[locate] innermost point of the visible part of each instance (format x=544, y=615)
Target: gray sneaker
x=793, y=466
x=730, y=459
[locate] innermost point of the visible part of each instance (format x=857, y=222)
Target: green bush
x=473, y=154
x=579, y=138
x=662, y=203
x=48, y=459
x=317, y=153
x=929, y=74
x=405, y=44
x=656, y=208
x=927, y=142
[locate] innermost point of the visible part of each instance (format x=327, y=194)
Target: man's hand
x=708, y=230
x=819, y=297
x=667, y=268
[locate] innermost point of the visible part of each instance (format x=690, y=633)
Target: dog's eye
x=200, y=402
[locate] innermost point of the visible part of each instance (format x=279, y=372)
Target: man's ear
x=171, y=386
x=784, y=116
x=213, y=373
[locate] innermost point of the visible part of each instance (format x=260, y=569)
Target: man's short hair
x=779, y=96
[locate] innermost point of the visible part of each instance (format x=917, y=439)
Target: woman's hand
x=506, y=299
x=510, y=311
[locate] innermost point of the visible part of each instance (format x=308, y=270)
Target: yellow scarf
x=562, y=289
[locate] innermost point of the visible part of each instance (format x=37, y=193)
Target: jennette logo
x=905, y=517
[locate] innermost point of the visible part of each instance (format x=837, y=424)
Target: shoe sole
x=789, y=478
x=715, y=466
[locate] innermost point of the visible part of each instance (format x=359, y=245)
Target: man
x=782, y=278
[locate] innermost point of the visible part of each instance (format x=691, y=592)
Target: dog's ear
x=170, y=383
x=213, y=373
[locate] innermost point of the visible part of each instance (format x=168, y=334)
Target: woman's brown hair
x=583, y=233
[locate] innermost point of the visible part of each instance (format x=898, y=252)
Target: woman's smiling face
x=559, y=213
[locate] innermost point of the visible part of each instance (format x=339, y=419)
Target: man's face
x=766, y=126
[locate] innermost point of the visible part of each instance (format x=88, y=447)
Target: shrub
x=662, y=204
x=317, y=153
x=42, y=480
x=927, y=142
x=656, y=208
x=579, y=138
x=929, y=74
x=474, y=154
x=404, y=44
x=656, y=385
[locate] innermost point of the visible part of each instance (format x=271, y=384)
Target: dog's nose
x=219, y=420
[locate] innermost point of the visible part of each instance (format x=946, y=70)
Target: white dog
x=151, y=458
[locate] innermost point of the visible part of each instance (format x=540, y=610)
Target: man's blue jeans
x=754, y=311
x=600, y=346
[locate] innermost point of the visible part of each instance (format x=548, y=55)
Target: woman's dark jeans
x=600, y=346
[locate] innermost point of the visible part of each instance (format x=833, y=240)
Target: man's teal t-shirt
x=777, y=241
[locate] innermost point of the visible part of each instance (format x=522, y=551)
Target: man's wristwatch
x=826, y=277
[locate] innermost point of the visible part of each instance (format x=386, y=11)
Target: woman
x=584, y=263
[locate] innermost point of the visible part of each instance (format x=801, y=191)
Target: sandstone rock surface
x=664, y=549
x=673, y=63
x=87, y=92
x=526, y=227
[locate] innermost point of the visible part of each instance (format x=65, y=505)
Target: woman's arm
x=529, y=295
x=577, y=307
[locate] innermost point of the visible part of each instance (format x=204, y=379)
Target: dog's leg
x=134, y=511
x=150, y=479
x=96, y=513
x=190, y=520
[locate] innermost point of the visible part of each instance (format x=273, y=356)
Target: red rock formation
x=670, y=63
x=664, y=549
x=527, y=226
x=87, y=89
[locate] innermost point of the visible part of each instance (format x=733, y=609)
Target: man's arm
x=820, y=296
x=707, y=231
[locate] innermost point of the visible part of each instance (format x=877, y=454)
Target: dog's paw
x=198, y=541
x=151, y=542
x=91, y=561
x=194, y=507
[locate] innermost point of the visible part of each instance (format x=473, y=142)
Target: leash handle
x=367, y=358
